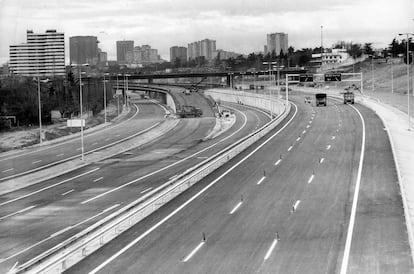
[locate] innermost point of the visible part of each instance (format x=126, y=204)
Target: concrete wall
x=271, y=104
x=170, y=102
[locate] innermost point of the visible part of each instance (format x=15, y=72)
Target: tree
x=368, y=49
x=355, y=51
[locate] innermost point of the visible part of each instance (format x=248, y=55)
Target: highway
x=145, y=116
x=282, y=206
x=38, y=217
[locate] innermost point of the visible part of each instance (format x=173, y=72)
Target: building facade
x=122, y=47
x=204, y=48
x=277, y=42
x=42, y=55
x=142, y=55
x=224, y=55
x=177, y=52
x=330, y=58
x=83, y=50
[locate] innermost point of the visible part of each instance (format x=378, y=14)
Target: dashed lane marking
x=67, y=192
x=98, y=179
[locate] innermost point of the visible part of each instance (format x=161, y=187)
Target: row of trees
x=19, y=97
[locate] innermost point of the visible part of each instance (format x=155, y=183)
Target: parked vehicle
x=320, y=99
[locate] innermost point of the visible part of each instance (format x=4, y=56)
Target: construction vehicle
x=320, y=99
x=349, y=97
x=189, y=111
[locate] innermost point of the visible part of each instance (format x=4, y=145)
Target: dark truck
x=189, y=111
x=320, y=99
x=349, y=97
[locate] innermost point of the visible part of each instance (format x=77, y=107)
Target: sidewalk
x=395, y=119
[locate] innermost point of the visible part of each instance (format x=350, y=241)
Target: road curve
x=284, y=209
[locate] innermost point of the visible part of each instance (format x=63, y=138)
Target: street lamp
x=408, y=77
x=125, y=88
x=40, y=110
x=117, y=88
x=372, y=69
x=81, y=106
x=104, y=91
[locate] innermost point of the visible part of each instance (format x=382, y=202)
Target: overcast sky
x=236, y=25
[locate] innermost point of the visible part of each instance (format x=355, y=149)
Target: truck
x=320, y=99
x=189, y=111
x=349, y=97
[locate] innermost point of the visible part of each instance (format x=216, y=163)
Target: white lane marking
x=347, y=250
x=57, y=233
x=290, y=148
x=333, y=137
x=7, y=170
x=60, y=231
x=278, y=162
x=304, y=131
x=36, y=162
x=118, y=135
x=178, y=209
x=17, y=212
x=321, y=160
x=60, y=155
x=311, y=178
x=310, y=122
x=79, y=148
x=97, y=179
x=307, y=126
x=67, y=192
x=328, y=147
x=94, y=144
x=69, y=141
x=261, y=180
x=146, y=190
x=297, y=139
x=45, y=188
x=236, y=207
x=270, y=250
x=186, y=259
x=107, y=139
x=202, y=157
x=171, y=165
x=295, y=206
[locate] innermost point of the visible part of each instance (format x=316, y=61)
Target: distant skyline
x=237, y=25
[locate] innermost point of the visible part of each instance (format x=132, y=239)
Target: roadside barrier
x=77, y=247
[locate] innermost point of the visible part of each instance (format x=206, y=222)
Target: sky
x=236, y=25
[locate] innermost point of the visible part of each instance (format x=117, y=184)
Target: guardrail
x=74, y=249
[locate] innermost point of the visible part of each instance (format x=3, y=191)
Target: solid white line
x=297, y=139
x=60, y=155
x=45, y=188
x=178, y=209
x=171, y=165
x=311, y=178
x=97, y=215
x=328, y=147
x=35, y=162
x=94, y=144
x=321, y=160
x=295, y=206
x=270, y=250
x=193, y=252
x=278, y=162
x=236, y=207
x=261, y=180
x=146, y=190
x=347, y=250
x=98, y=179
x=290, y=148
x=17, y=212
x=67, y=192
x=7, y=170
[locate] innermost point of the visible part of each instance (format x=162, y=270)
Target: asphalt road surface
x=38, y=217
x=282, y=206
x=145, y=116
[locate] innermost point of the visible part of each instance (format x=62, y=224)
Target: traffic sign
x=306, y=78
x=76, y=123
x=332, y=77
x=119, y=92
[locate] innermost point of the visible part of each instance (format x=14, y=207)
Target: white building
x=42, y=55
x=277, y=42
x=330, y=58
x=204, y=48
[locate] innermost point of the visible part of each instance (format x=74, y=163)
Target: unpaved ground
x=27, y=136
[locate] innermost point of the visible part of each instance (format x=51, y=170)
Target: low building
x=330, y=58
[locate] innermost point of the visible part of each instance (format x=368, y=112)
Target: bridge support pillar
x=150, y=80
x=230, y=81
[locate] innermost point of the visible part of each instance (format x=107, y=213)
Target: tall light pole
x=321, y=47
x=104, y=91
x=372, y=70
x=392, y=76
x=408, y=77
x=126, y=96
x=40, y=110
x=117, y=88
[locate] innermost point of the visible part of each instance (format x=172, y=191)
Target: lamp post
x=372, y=72
x=40, y=110
x=81, y=106
x=117, y=88
x=408, y=77
x=104, y=91
x=392, y=76
x=126, y=89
